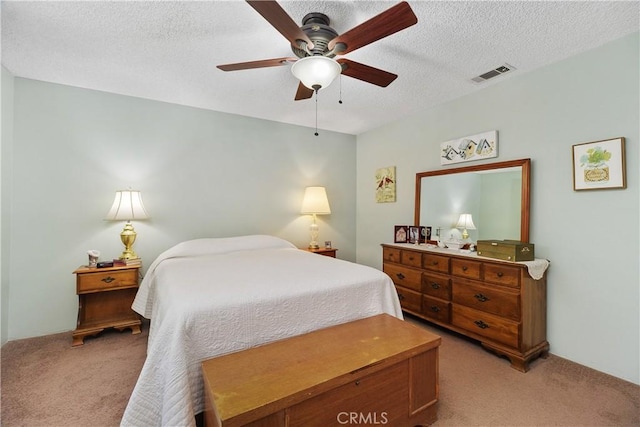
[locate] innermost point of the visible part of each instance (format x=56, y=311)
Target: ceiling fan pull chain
x=316, y=134
x=340, y=97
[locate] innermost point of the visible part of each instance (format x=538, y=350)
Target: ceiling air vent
x=493, y=73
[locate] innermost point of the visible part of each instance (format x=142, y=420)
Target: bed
x=209, y=297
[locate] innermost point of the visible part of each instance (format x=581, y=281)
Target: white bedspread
x=209, y=297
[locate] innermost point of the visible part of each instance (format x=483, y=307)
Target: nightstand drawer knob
x=400, y=276
x=434, y=285
x=108, y=279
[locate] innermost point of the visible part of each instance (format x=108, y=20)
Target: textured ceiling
x=168, y=51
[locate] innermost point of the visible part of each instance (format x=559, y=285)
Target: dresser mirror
x=495, y=194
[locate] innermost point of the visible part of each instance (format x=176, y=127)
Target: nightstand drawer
x=103, y=280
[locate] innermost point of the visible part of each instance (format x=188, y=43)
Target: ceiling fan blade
x=275, y=62
x=366, y=73
x=281, y=21
x=303, y=92
x=388, y=22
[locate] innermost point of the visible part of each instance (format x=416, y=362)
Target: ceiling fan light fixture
x=316, y=72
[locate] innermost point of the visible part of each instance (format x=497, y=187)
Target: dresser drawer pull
x=434, y=263
x=410, y=258
x=400, y=276
x=435, y=308
x=464, y=268
x=434, y=285
x=480, y=324
x=481, y=297
x=400, y=296
x=500, y=274
x=108, y=279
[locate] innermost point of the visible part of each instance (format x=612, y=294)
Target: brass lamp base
x=128, y=236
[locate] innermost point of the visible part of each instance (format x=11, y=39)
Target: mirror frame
x=525, y=191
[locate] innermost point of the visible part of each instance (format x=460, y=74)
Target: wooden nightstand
x=105, y=297
x=323, y=251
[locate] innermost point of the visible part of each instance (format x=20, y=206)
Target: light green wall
x=207, y=173
x=6, y=111
x=591, y=237
x=201, y=173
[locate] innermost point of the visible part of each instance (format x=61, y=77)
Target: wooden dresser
x=495, y=302
x=378, y=370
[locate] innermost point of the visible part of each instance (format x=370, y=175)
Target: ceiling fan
x=315, y=44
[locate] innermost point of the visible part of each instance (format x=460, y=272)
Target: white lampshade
x=127, y=206
x=316, y=72
x=315, y=201
x=466, y=221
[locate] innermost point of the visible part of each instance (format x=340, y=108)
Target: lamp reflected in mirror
x=465, y=222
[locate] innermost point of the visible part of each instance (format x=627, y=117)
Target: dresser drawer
x=409, y=300
x=465, y=268
x=391, y=254
x=486, y=325
x=102, y=280
x=436, y=309
x=436, y=285
x=489, y=299
x=436, y=263
x=414, y=259
x=502, y=275
x=404, y=276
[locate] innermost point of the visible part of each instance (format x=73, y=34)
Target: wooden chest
x=508, y=250
x=378, y=370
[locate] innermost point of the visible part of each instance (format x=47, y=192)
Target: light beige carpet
x=46, y=382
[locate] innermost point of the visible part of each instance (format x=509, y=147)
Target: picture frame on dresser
x=414, y=235
x=400, y=233
x=425, y=234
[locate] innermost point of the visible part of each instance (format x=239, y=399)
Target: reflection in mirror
x=496, y=195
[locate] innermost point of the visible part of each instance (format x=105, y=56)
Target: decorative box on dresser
x=495, y=302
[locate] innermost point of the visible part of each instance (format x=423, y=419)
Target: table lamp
x=466, y=223
x=127, y=206
x=314, y=203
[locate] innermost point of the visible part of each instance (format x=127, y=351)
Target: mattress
x=209, y=297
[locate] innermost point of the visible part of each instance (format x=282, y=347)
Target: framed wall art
x=475, y=147
x=386, y=185
x=599, y=165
